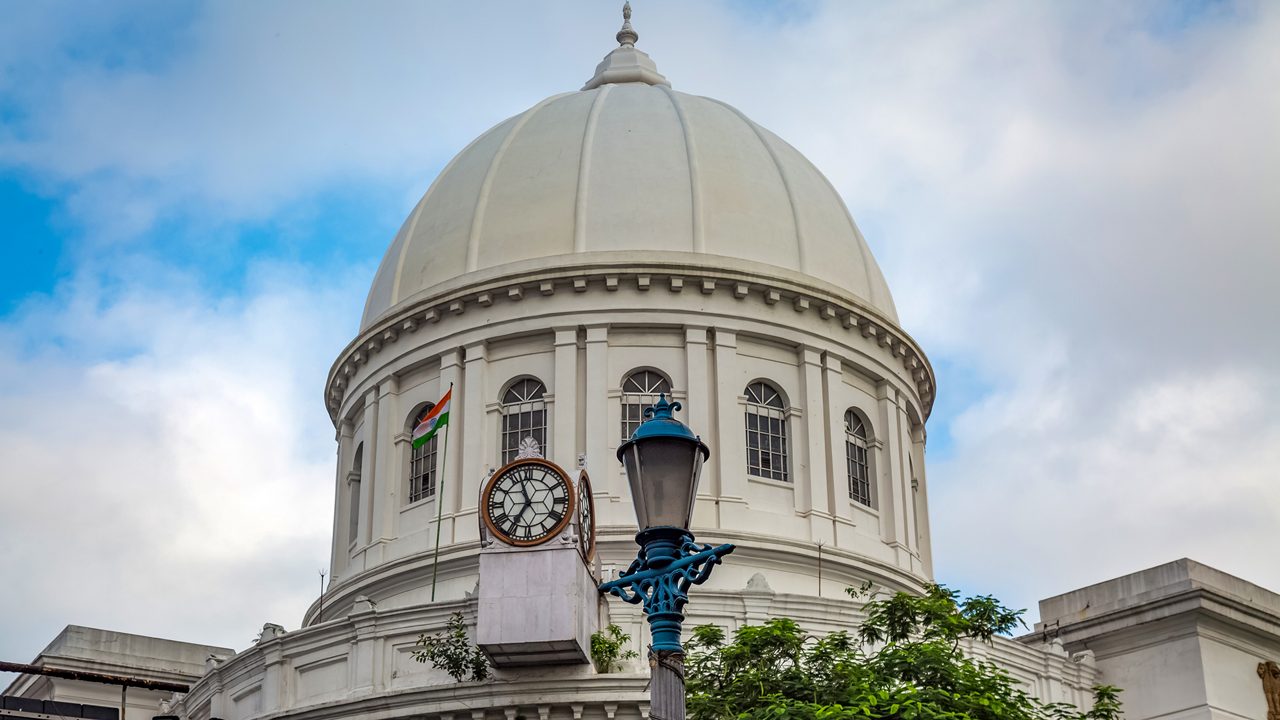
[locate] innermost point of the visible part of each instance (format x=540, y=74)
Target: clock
x=586, y=516
x=527, y=502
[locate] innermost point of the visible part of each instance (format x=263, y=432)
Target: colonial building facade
x=574, y=262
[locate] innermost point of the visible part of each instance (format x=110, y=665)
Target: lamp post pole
x=663, y=460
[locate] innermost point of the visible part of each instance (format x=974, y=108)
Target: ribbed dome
x=628, y=167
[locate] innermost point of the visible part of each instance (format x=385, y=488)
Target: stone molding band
x=852, y=315
x=615, y=542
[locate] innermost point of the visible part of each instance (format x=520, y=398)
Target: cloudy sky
x=1077, y=206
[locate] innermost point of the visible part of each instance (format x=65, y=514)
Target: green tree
x=453, y=652
x=607, y=649
x=904, y=662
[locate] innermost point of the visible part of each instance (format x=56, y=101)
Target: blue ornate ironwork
x=669, y=563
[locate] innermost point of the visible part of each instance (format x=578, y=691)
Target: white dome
x=632, y=166
x=618, y=239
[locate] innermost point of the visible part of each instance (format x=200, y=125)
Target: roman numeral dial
x=527, y=502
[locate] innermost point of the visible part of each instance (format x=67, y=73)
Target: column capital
x=451, y=358
x=389, y=386
x=695, y=334
x=566, y=336
x=477, y=351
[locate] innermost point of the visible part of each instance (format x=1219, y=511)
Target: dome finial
x=626, y=63
x=627, y=36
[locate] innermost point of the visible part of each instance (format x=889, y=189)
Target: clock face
x=586, y=516
x=528, y=502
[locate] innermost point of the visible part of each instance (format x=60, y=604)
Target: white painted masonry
x=628, y=226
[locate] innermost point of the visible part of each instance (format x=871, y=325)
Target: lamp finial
x=662, y=410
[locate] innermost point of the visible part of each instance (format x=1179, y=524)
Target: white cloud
x=255, y=105
x=1079, y=208
x=179, y=481
x=1077, y=487
x=1074, y=203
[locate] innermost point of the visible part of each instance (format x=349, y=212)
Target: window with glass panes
x=422, y=462
x=766, y=419
x=640, y=391
x=856, y=447
x=524, y=418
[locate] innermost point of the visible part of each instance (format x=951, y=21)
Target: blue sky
x=34, y=251
x=1074, y=206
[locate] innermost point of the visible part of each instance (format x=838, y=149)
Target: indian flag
x=434, y=420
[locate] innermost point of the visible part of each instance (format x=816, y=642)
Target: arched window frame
x=422, y=460
x=765, y=418
x=353, y=495
x=640, y=390
x=859, y=439
x=524, y=413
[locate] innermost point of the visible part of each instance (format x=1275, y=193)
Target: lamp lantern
x=663, y=460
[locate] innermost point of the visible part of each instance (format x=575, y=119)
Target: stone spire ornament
x=626, y=64
x=627, y=36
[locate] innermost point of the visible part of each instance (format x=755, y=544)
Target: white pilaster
x=369, y=468
x=903, y=468
x=925, y=546
x=450, y=483
x=386, y=496
x=889, y=472
x=813, y=495
x=697, y=414
x=342, y=496
x=273, y=676
x=564, y=437
x=838, y=485
x=474, y=442
x=596, y=404
x=730, y=447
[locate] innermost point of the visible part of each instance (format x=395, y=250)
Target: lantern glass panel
x=663, y=474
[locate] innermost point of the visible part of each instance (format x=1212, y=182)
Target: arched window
x=353, y=494
x=640, y=390
x=524, y=419
x=422, y=461
x=856, y=441
x=766, y=432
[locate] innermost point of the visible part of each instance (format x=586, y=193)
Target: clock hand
x=524, y=492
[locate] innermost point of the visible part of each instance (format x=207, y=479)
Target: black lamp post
x=663, y=459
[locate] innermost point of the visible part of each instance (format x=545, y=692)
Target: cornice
x=1187, y=607
x=748, y=282
x=407, y=572
x=573, y=687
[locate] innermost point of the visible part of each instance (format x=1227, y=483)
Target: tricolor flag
x=434, y=420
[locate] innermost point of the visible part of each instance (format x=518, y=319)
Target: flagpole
x=444, y=457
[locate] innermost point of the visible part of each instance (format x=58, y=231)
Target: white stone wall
x=1183, y=640
x=581, y=335
x=361, y=664
x=114, y=653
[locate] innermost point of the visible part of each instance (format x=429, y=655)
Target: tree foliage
x=607, y=649
x=453, y=652
x=904, y=662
